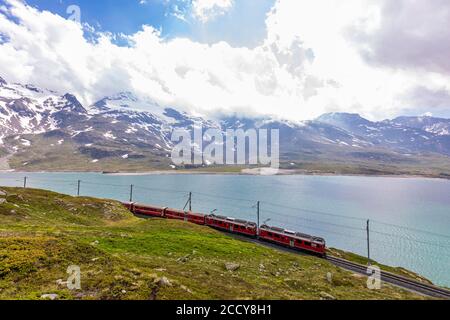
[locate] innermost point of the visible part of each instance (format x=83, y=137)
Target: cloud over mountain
x=317, y=57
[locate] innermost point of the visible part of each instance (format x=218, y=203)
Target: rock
x=184, y=259
x=230, y=266
x=330, y=277
x=326, y=296
x=163, y=282
x=13, y=211
x=61, y=282
x=262, y=268
x=2, y=193
x=185, y=289
x=136, y=272
x=49, y=296
x=2, y=201
x=124, y=291
x=95, y=243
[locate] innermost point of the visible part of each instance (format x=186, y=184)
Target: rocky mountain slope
x=44, y=130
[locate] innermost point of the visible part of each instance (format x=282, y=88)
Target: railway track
x=403, y=282
x=423, y=288
x=399, y=281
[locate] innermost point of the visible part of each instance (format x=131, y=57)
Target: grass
x=364, y=261
x=123, y=257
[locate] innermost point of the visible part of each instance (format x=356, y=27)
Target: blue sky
x=242, y=25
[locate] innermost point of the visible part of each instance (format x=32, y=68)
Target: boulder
x=163, y=282
x=184, y=259
x=49, y=296
x=326, y=296
x=230, y=266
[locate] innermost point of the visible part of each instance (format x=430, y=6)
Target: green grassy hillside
x=123, y=257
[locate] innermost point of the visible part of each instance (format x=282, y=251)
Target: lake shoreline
x=245, y=172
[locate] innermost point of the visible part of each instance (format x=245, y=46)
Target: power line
x=410, y=240
x=316, y=221
x=412, y=229
x=313, y=211
x=161, y=190
x=222, y=197
x=105, y=184
x=225, y=205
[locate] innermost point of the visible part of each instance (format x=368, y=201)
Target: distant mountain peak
x=439, y=126
x=2, y=81
x=341, y=115
x=342, y=119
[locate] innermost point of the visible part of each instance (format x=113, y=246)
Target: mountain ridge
x=40, y=125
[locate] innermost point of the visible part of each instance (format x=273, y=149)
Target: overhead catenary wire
x=412, y=229
x=312, y=211
x=409, y=239
x=315, y=221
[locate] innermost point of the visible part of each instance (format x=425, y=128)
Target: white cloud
x=310, y=63
x=334, y=30
x=206, y=10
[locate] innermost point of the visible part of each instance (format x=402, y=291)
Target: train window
x=307, y=243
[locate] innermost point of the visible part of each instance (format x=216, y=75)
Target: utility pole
x=78, y=188
x=190, y=201
x=368, y=241
x=24, y=182
x=257, y=214
x=131, y=193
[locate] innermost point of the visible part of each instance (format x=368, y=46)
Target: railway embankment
x=44, y=234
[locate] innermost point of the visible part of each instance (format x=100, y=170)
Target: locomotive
x=275, y=235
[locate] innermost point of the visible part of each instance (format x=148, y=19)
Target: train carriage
x=293, y=239
x=232, y=225
x=196, y=218
x=176, y=214
x=128, y=205
x=146, y=210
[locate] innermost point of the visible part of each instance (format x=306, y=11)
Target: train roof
x=233, y=220
x=147, y=206
x=298, y=235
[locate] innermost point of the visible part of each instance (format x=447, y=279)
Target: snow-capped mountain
x=25, y=109
x=429, y=124
x=402, y=134
x=47, y=130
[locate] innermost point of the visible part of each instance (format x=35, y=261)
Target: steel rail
x=410, y=284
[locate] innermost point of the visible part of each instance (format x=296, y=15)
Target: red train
x=286, y=238
x=294, y=240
